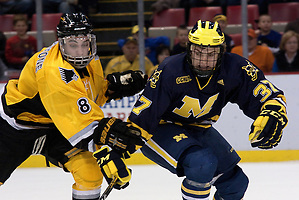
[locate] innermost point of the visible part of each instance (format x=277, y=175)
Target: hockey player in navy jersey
x=186, y=95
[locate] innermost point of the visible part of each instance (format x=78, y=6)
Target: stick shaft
x=108, y=189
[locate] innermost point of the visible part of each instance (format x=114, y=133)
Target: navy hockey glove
x=112, y=165
x=125, y=84
x=266, y=130
x=120, y=136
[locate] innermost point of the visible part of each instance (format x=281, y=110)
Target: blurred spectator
x=287, y=59
x=292, y=26
x=259, y=55
x=3, y=66
x=266, y=36
x=70, y=6
x=182, y=37
x=2, y=45
x=163, y=52
x=161, y=5
x=222, y=21
x=88, y=7
x=59, y=6
x=129, y=60
x=17, y=7
x=3, y=69
x=150, y=43
x=21, y=47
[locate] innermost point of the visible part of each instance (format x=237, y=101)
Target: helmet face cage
x=204, y=60
x=82, y=43
x=77, y=27
x=205, y=48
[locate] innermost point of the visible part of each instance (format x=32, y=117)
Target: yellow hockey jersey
x=51, y=92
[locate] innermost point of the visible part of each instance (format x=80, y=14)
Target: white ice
x=268, y=181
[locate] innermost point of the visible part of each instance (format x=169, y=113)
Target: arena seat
x=6, y=22
x=203, y=13
x=234, y=14
x=169, y=17
x=279, y=26
x=235, y=28
x=237, y=38
x=50, y=21
x=49, y=36
x=284, y=12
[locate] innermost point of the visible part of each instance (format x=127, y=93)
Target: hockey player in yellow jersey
x=53, y=109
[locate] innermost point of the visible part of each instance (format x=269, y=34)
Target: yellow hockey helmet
x=206, y=33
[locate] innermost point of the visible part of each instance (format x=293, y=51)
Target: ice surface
x=268, y=181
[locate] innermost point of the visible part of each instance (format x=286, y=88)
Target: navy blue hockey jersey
x=174, y=95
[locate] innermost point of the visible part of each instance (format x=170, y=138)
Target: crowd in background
x=15, y=51
x=48, y=6
x=270, y=50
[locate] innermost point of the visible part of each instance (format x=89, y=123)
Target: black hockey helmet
x=73, y=24
x=76, y=27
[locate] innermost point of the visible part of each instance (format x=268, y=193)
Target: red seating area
x=284, y=12
x=49, y=20
x=234, y=14
x=169, y=17
x=280, y=12
x=203, y=13
x=6, y=23
x=237, y=38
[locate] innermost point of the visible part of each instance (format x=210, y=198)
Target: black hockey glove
x=112, y=165
x=120, y=136
x=125, y=84
x=266, y=130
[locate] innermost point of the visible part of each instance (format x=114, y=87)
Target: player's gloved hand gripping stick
x=120, y=136
x=114, y=169
x=266, y=130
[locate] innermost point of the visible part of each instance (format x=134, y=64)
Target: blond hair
x=285, y=37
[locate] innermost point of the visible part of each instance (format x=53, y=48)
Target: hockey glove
x=112, y=165
x=125, y=84
x=120, y=136
x=266, y=130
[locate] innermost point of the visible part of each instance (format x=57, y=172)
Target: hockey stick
x=108, y=189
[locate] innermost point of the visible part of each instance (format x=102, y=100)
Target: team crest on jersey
x=251, y=70
x=180, y=137
x=67, y=75
x=154, y=79
x=221, y=82
x=192, y=107
x=183, y=79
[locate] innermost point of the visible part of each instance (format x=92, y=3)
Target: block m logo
x=192, y=106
